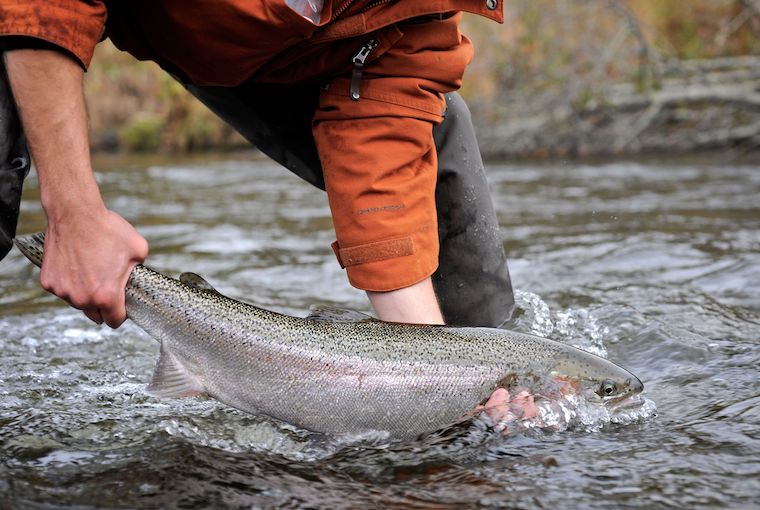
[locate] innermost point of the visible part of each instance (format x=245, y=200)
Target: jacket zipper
x=340, y=10
x=375, y=4
x=358, y=67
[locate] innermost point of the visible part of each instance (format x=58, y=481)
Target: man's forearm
x=89, y=251
x=48, y=88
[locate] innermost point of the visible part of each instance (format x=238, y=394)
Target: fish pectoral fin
x=331, y=313
x=197, y=281
x=171, y=379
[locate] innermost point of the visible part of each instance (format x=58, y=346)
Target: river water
x=657, y=266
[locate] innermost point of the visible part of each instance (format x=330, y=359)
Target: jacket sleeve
x=379, y=158
x=74, y=26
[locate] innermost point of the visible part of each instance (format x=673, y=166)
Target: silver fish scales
x=337, y=371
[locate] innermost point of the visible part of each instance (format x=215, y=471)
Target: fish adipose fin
x=331, y=313
x=171, y=379
x=197, y=281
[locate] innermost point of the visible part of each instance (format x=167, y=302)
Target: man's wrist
x=414, y=304
x=61, y=206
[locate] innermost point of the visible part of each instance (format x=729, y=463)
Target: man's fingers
x=497, y=404
x=500, y=396
x=504, y=408
x=94, y=315
x=114, y=317
x=101, y=305
x=115, y=313
x=526, y=403
x=111, y=303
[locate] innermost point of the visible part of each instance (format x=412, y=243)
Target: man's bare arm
x=89, y=250
x=415, y=304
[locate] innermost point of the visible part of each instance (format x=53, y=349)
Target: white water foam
x=577, y=327
x=582, y=329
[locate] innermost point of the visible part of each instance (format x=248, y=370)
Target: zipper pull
x=358, y=61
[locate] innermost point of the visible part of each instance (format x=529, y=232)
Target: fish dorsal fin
x=331, y=313
x=171, y=379
x=197, y=281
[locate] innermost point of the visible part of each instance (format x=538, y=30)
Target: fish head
x=597, y=378
x=613, y=390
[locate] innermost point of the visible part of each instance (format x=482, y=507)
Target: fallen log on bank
x=697, y=106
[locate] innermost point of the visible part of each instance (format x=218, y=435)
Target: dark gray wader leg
x=472, y=281
x=14, y=165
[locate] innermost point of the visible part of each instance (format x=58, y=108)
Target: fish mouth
x=617, y=398
x=636, y=385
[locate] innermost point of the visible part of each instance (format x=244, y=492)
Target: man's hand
x=89, y=250
x=503, y=408
x=89, y=255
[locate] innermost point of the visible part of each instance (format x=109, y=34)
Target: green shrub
x=143, y=133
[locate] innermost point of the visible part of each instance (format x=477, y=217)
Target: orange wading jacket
x=382, y=66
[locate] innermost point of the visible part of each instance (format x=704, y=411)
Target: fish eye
x=607, y=389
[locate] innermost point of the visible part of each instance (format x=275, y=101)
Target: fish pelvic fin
x=197, y=281
x=332, y=314
x=32, y=246
x=171, y=379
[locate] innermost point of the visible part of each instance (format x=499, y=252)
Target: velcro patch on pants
x=373, y=252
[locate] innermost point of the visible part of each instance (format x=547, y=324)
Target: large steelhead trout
x=338, y=371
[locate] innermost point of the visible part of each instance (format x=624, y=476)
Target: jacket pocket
x=319, y=62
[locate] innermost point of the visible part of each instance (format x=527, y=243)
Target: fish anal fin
x=197, y=281
x=171, y=379
x=331, y=313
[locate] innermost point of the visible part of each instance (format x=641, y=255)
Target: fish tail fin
x=171, y=379
x=32, y=246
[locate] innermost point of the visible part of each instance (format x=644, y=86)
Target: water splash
x=580, y=328
x=577, y=327
x=574, y=412
x=535, y=317
x=570, y=412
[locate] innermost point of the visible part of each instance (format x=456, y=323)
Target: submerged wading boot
x=472, y=281
x=14, y=165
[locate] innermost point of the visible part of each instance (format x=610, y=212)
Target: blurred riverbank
x=560, y=79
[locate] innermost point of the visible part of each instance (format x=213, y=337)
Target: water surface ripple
x=656, y=266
